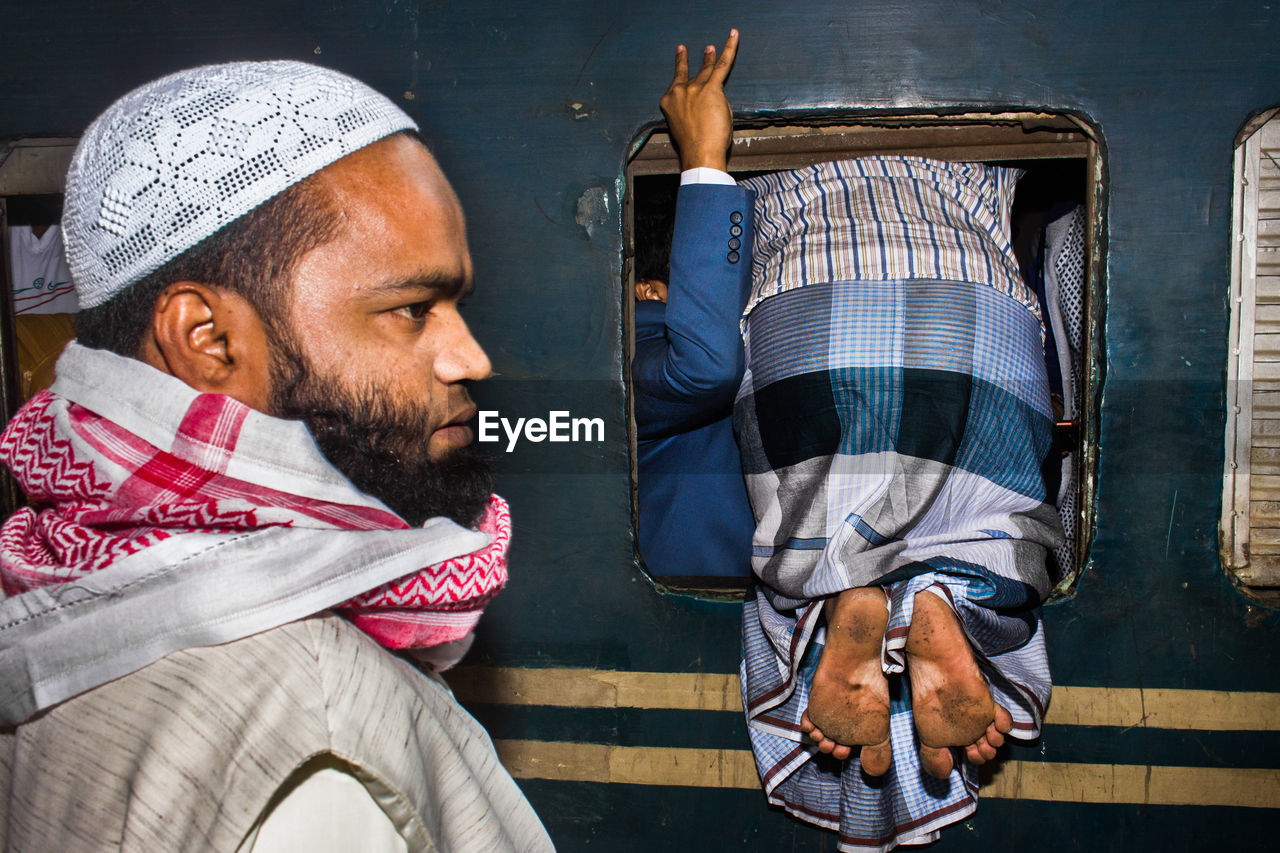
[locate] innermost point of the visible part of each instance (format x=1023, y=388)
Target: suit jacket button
x=735, y=243
x=735, y=217
x=733, y=257
x=735, y=230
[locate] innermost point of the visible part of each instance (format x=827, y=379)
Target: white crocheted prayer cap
x=174, y=161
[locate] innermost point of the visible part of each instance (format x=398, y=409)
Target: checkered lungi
x=892, y=434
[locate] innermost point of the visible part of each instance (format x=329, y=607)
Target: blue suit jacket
x=694, y=515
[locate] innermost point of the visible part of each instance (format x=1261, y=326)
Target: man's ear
x=212, y=339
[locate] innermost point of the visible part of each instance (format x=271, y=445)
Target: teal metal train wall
x=615, y=703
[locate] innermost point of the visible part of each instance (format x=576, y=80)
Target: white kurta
x=193, y=752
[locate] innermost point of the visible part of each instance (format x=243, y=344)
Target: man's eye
x=416, y=311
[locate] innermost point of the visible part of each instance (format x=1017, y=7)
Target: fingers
x=682, y=66
x=727, y=56
x=699, y=118
x=708, y=65
x=713, y=69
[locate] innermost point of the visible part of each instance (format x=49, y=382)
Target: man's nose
x=462, y=358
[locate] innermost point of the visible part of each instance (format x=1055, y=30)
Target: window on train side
x=1056, y=233
x=1250, y=524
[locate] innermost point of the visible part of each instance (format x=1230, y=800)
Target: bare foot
x=849, y=698
x=951, y=704
x=984, y=749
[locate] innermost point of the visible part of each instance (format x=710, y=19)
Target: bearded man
x=262, y=424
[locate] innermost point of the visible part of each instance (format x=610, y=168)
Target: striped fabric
x=885, y=218
x=1063, y=272
x=892, y=435
x=906, y=806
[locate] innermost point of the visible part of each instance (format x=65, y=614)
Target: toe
x=806, y=725
x=837, y=751
x=876, y=759
x=1003, y=722
x=980, y=752
x=995, y=737
x=936, y=761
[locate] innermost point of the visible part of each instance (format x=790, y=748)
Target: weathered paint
x=532, y=107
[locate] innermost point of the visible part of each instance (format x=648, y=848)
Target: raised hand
x=697, y=110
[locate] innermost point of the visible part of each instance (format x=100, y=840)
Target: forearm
x=690, y=372
x=688, y=364
x=708, y=287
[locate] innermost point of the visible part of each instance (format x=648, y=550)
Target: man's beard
x=380, y=447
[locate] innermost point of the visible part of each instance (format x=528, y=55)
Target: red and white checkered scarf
x=99, y=491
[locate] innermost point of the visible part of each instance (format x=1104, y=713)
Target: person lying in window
x=694, y=520
x=893, y=422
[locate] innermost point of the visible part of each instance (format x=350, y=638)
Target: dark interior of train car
x=39, y=335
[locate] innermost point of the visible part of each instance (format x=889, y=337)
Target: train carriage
x=610, y=689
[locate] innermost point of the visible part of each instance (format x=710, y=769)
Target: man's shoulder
x=651, y=315
x=296, y=677
x=207, y=736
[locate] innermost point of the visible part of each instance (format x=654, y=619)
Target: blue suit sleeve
x=686, y=371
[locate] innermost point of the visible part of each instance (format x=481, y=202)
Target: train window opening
x=1058, y=199
x=1250, y=524
x=37, y=312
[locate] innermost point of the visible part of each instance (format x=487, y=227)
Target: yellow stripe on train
x=1203, y=710
x=1020, y=780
